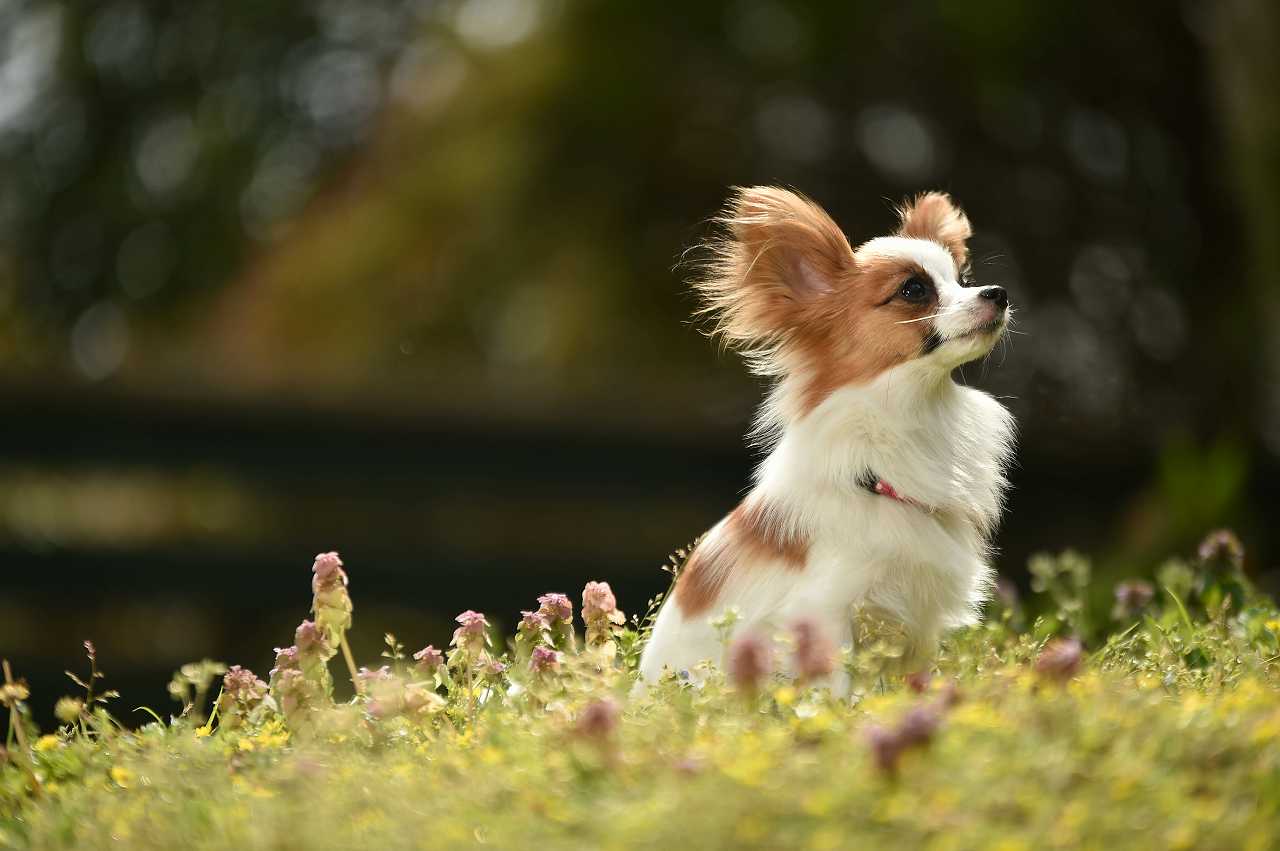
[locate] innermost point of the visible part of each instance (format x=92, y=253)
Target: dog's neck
x=940, y=445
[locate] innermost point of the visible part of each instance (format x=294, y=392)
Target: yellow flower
x=785, y=696
x=46, y=743
x=272, y=736
x=122, y=776
x=203, y=732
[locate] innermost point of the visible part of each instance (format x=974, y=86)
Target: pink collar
x=879, y=486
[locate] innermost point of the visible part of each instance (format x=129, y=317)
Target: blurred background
x=397, y=278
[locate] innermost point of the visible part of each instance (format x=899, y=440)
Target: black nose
x=996, y=294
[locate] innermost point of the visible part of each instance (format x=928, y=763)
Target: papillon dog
x=883, y=479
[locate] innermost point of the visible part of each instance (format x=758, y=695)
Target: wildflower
x=369, y=678
x=429, y=660
x=919, y=725
x=885, y=747
x=286, y=660
x=918, y=681
x=14, y=692
x=1223, y=545
x=294, y=694
x=543, y=660
x=814, y=652
x=310, y=641
x=531, y=623
x=68, y=709
x=122, y=776
x=242, y=685
x=557, y=613
x=473, y=632
x=46, y=743
x=1132, y=596
x=330, y=603
x=599, y=719
x=1060, y=659
x=750, y=661
x=555, y=608
x=494, y=668
x=600, y=612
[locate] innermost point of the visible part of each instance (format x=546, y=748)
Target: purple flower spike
x=750, y=661
x=429, y=659
x=543, y=660
x=555, y=608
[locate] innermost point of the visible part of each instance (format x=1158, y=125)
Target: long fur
x=862, y=383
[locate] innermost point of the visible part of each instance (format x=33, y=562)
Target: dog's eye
x=914, y=289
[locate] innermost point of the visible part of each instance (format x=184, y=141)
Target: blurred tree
x=145, y=145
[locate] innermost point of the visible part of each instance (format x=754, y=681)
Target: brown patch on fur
x=751, y=532
x=783, y=253
x=933, y=216
x=865, y=335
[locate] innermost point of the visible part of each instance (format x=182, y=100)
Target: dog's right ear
x=780, y=256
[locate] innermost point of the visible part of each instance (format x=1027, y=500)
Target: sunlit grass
x=1160, y=728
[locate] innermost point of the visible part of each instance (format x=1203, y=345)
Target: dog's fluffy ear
x=933, y=216
x=780, y=255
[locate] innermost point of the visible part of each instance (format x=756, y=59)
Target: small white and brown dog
x=884, y=478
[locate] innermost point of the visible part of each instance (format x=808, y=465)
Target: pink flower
x=814, y=652
x=599, y=719
x=532, y=623
x=472, y=632
x=918, y=681
x=544, y=659
x=369, y=678
x=429, y=659
x=750, y=661
x=286, y=660
x=473, y=623
x=600, y=612
x=327, y=573
x=309, y=640
x=919, y=725
x=555, y=608
x=1060, y=659
x=886, y=747
x=1132, y=596
x=598, y=601
x=240, y=684
x=1223, y=545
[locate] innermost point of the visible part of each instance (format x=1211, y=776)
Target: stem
x=351, y=664
x=15, y=725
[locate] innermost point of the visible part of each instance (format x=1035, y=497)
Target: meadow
x=1153, y=723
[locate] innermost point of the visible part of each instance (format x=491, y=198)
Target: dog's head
x=788, y=290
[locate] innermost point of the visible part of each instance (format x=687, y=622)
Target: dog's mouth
x=995, y=326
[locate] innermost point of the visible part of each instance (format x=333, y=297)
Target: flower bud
x=1060, y=659
x=544, y=660
x=750, y=661
x=599, y=719
x=429, y=660
x=814, y=652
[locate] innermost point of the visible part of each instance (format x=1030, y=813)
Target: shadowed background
x=396, y=278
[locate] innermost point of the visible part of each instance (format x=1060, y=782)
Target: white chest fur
x=924, y=563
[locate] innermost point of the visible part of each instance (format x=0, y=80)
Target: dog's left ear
x=933, y=216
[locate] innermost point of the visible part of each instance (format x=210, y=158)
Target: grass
x=1158, y=728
